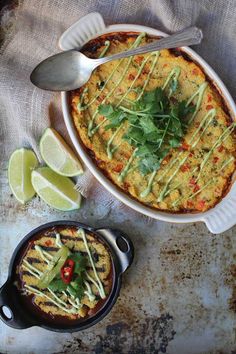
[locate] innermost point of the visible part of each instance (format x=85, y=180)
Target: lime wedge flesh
x=57, y=191
x=21, y=164
x=58, y=155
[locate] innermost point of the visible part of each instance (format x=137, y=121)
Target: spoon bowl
x=63, y=71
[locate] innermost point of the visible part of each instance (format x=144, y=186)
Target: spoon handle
x=189, y=36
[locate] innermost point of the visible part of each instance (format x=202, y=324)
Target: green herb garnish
x=76, y=286
x=156, y=125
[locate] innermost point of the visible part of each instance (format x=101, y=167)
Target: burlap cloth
x=27, y=111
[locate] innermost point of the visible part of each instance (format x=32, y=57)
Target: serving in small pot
x=65, y=276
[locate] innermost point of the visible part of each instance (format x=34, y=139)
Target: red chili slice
x=67, y=270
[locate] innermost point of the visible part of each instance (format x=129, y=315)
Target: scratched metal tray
x=178, y=297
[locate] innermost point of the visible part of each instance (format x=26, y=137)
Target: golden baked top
x=156, y=126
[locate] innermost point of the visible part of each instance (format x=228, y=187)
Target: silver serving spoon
x=71, y=69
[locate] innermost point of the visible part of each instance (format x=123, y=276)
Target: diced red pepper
x=190, y=155
x=67, y=271
x=201, y=204
x=185, y=167
x=209, y=98
x=215, y=159
x=189, y=204
x=131, y=77
x=208, y=107
x=196, y=188
x=118, y=167
x=192, y=181
x=48, y=243
x=184, y=146
x=221, y=148
x=139, y=59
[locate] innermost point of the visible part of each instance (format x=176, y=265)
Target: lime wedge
x=58, y=155
x=21, y=164
x=57, y=191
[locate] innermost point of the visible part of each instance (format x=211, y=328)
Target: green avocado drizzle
x=107, y=80
x=156, y=55
x=100, y=285
x=110, y=150
x=124, y=172
x=91, y=128
x=107, y=46
x=199, y=93
x=210, y=114
x=231, y=159
x=174, y=74
x=58, y=301
x=218, y=142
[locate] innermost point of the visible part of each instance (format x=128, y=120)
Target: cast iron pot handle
x=121, y=245
x=16, y=318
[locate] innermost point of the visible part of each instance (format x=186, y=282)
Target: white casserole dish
x=218, y=219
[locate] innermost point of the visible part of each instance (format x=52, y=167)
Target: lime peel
x=21, y=164
x=58, y=155
x=57, y=191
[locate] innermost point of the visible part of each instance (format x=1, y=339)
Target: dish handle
x=121, y=245
x=223, y=216
x=10, y=309
x=82, y=31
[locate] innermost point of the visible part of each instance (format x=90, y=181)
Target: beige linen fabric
x=25, y=109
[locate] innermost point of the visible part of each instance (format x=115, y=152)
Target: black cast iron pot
x=122, y=252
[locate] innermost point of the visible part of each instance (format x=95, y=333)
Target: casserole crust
x=193, y=176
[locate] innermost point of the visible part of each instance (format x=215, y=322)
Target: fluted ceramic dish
x=218, y=219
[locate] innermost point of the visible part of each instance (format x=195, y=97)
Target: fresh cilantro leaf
x=149, y=164
x=156, y=124
x=116, y=119
x=174, y=142
x=183, y=111
x=76, y=288
x=146, y=149
x=147, y=124
x=80, y=263
x=105, y=109
x=134, y=136
x=57, y=285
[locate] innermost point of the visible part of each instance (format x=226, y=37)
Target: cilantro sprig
x=157, y=124
x=76, y=286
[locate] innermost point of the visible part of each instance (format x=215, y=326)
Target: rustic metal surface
x=176, y=298
x=179, y=296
